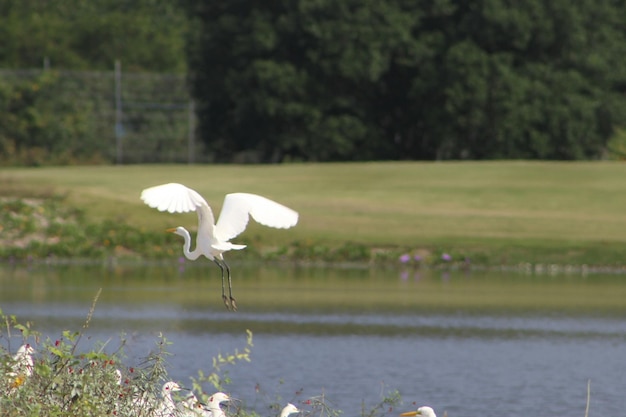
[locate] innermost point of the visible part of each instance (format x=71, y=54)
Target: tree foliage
x=321, y=80
x=146, y=35
x=39, y=124
x=395, y=79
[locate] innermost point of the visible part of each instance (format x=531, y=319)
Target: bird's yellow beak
x=171, y=230
x=410, y=414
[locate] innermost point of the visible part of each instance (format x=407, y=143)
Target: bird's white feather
x=289, y=409
x=238, y=207
x=173, y=198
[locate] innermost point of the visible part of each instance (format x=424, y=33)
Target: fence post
x=119, y=128
x=191, y=137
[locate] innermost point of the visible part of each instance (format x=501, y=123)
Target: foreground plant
x=55, y=379
x=63, y=382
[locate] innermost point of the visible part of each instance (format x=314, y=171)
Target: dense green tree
x=426, y=79
x=146, y=35
x=533, y=80
x=39, y=124
x=295, y=79
x=351, y=80
x=57, y=117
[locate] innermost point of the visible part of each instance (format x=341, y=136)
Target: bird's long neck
x=216, y=412
x=191, y=255
x=167, y=401
x=214, y=406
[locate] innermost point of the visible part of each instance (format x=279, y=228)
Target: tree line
x=322, y=80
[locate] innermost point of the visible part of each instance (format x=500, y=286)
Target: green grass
x=498, y=212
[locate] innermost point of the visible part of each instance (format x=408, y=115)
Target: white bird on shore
x=213, y=407
x=289, y=409
x=22, y=367
x=118, y=377
x=167, y=406
x=422, y=411
x=213, y=239
x=23, y=361
x=190, y=407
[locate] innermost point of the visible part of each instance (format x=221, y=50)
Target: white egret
x=23, y=361
x=190, y=407
x=22, y=366
x=213, y=407
x=289, y=409
x=118, y=377
x=213, y=239
x=167, y=406
x=424, y=411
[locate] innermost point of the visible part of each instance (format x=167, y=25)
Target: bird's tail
x=226, y=246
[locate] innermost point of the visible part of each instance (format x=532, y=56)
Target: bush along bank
x=39, y=228
x=48, y=229
x=34, y=229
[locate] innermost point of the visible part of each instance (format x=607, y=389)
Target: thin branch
x=88, y=320
x=588, y=397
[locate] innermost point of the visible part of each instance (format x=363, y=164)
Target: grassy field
x=492, y=212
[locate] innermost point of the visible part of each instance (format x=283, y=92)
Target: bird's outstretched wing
x=239, y=206
x=173, y=198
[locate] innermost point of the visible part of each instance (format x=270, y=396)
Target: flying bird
x=422, y=411
x=213, y=239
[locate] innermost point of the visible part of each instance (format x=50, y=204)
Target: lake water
x=468, y=343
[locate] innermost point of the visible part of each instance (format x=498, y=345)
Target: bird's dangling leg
x=224, y=298
x=233, y=303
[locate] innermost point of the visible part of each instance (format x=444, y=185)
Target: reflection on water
x=469, y=343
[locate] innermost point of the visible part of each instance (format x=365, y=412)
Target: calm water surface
x=477, y=343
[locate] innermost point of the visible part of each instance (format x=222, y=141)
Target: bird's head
x=289, y=409
x=180, y=231
x=422, y=411
x=26, y=349
x=217, y=398
x=171, y=386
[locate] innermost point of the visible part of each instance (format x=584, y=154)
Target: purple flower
x=405, y=258
x=446, y=257
x=417, y=258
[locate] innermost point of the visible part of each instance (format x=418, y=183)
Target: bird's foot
x=230, y=303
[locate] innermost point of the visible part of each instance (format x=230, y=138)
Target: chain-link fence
x=125, y=117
